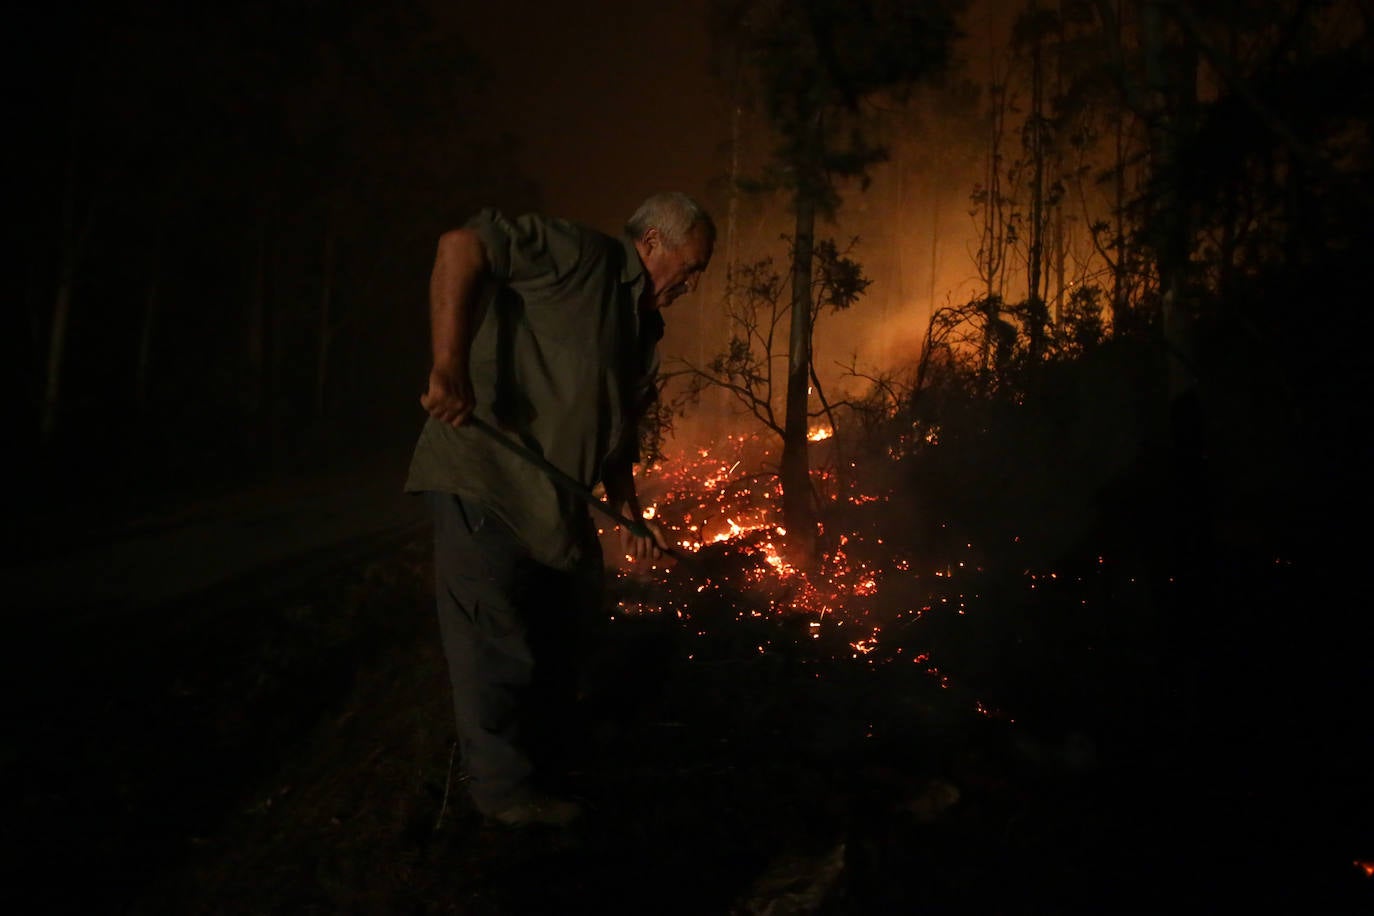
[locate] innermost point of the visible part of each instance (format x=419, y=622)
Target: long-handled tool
x=569, y=483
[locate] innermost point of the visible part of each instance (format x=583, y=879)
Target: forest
x=1018, y=579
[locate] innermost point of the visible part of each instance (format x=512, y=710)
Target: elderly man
x=547, y=330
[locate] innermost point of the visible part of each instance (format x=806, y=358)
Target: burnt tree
x=813, y=66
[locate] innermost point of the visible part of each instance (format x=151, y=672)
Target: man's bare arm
x=460, y=264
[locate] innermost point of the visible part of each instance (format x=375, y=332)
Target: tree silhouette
x=812, y=67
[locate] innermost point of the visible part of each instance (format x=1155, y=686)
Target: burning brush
x=729, y=550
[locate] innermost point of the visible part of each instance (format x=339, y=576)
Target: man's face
x=674, y=270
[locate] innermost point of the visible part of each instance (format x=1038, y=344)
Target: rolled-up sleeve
x=529, y=250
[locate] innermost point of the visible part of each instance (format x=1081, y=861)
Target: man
x=547, y=330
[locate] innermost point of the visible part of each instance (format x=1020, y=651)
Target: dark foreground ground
x=285, y=746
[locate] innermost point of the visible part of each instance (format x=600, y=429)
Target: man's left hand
x=638, y=548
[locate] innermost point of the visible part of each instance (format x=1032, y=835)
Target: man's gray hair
x=673, y=214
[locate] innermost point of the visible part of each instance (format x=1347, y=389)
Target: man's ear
x=652, y=239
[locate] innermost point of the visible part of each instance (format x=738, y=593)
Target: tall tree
x=756, y=304
x=814, y=65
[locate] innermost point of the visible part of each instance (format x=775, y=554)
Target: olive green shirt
x=563, y=361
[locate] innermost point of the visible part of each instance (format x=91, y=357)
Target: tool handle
x=567, y=481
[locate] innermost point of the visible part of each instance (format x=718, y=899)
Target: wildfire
x=864, y=646
x=864, y=601
x=708, y=497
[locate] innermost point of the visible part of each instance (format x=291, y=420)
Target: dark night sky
x=612, y=101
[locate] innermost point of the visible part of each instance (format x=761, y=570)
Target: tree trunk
x=1169, y=223
x=1036, y=252
x=934, y=244
x=326, y=330
x=1060, y=242
x=73, y=241
x=1113, y=30
x=1188, y=551
x=276, y=402
x=1060, y=248
x=254, y=390
x=57, y=342
x=798, y=507
x=993, y=238
x=1119, y=287
x=731, y=223
x=898, y=239
x=151, y=298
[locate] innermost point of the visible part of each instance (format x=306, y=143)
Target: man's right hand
x=449, y=398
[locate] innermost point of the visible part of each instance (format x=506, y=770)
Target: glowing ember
x=710, y=502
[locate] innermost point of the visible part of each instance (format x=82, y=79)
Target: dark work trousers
x=512, y=630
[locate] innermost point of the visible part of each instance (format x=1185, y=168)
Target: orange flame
x=705, y=499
